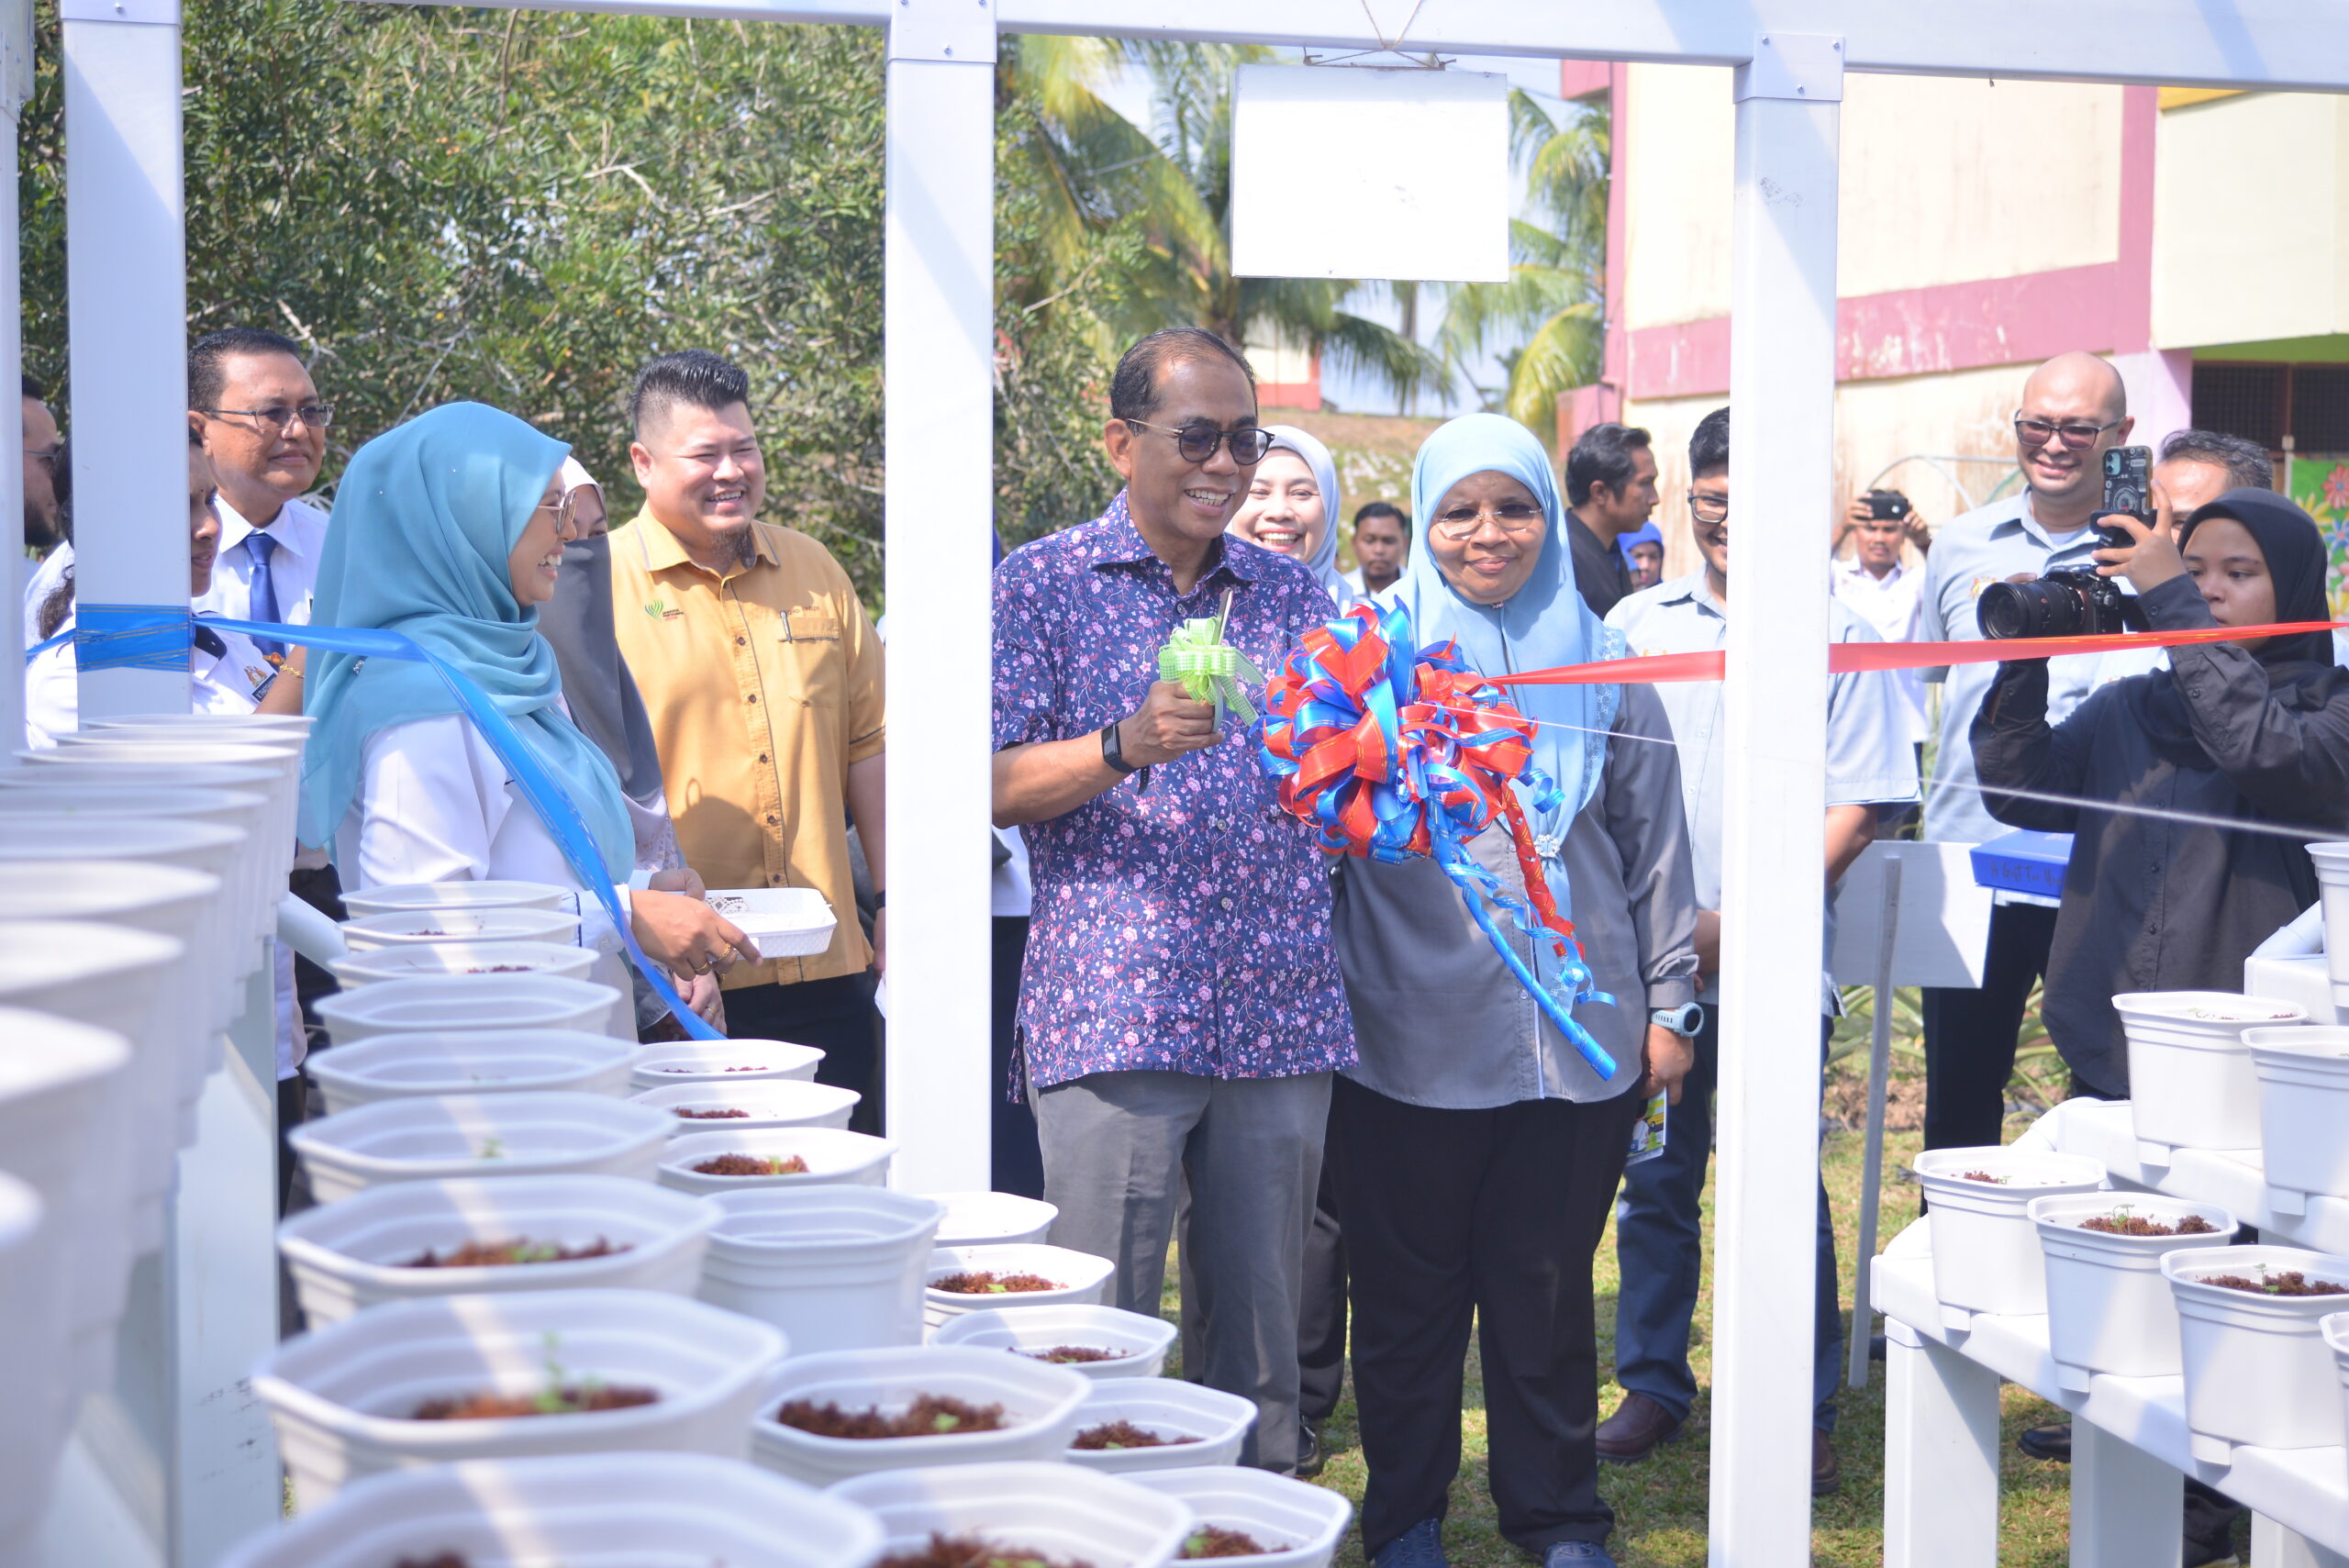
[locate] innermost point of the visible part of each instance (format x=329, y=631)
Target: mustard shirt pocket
x=813, y=666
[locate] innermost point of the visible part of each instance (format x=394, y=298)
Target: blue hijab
x=1544, y=623
x=1648, y=534
x=424, y=520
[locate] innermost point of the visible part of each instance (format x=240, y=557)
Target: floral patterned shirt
x=1184, y=928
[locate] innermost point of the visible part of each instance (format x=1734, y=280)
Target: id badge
x=1648, y=1133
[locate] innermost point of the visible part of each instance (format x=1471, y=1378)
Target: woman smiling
x=1291, y=502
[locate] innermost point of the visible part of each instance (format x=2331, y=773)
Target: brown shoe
x=1826, y=1470
x=1632, y=1432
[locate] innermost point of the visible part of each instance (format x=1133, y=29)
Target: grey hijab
x=577, y=624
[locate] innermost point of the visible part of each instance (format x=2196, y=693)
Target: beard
x=737, y=547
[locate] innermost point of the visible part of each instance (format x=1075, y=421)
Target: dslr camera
x=2076, y=601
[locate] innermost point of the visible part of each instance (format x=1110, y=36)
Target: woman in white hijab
x=1292, y=506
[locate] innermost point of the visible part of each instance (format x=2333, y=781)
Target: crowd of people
x=1317, y=1071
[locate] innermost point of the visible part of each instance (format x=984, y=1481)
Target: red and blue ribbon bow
x=1393, y=753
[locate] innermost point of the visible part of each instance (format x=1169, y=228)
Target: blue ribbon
x=133, y=637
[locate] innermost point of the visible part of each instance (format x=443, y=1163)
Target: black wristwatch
x=1115, y=756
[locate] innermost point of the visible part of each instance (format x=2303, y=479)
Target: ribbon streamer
x=1393, y=753
x=1209, y=669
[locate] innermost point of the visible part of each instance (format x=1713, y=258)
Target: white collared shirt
x=300, y=530
x=1890, y=605
x=42, y=581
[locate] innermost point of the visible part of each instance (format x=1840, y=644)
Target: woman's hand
x=684, y=880
x=701, y=994
x=687, y=934
x=2153, y=558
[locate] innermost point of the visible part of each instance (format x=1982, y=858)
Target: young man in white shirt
x=1874, y=585
x=253, y=406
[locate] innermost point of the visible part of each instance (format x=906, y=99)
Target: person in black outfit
x=1610, y=491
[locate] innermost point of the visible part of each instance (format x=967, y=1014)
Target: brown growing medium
x=439, y=1559
x=479, y=1254
x=569, y=1400
x=1123, y=1433
x=1066, y=1355
x=2138, y=1225
x=1214, y=1541
x=987, y=1281
x=1984, y=1177
x=929, y=1415
x=754, y=1165
x=719, y=1115
x=2290, y=1283
x=970, y=1551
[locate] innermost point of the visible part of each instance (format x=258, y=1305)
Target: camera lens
x=2043, y=608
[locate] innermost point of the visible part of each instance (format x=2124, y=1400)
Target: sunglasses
x=1197, y=442
x=2078, y=434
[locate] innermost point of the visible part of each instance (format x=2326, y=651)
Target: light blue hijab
x=1544, y=623
x=424, y=520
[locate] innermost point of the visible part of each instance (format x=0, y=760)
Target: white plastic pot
x=1082, y=1277
x=2191, y=1085
x=1216, y=1423
x=2255, y=1365
x=1302, y=1524
x=449, y=896
x=766, y=1104
x=419, y=959
x=444, y=1002
x=977, y=1220
x=1057, y=1511
x=1142, y=1342
x=835, y=1267
x=1039, y=1412
x=666, y=1065
x=1985, y=1251
x=484, y=1061
x=353, y=1254
x=2303, y=1110
x=2109, y=1308
x=833, y=1156
x=412, y=927
x=459, y=1136
x=112, y=798
x=575, y=1509
x=2333, y=887
x=208, y=726
x=343, y=1398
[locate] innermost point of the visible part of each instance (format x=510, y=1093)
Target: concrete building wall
x=2251, y=220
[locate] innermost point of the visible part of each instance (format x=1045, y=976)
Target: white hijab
x=1323, y=562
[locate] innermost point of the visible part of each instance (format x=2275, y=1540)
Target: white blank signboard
x=1341, y=171
x=1940, y=930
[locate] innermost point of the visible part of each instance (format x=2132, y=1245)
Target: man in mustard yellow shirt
x=762, y=679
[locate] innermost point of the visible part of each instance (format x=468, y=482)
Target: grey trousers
x=1115, y=1145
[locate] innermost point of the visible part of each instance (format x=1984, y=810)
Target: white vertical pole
x=126, y=288
x=16, y=87
x=940, y=438
x=1872, y=1162
x=1940, y=1456
x=1781, y=387
x=2124, y=1504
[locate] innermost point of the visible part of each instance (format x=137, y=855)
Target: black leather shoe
x=1309, y=1457
x=1826, y=1470
x=2051, y=1443
x=1634, y=1430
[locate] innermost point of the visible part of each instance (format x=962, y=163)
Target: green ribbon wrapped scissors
x=1209, y=669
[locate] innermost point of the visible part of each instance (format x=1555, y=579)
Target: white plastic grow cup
x=360, y=1253
x=484, y=1061
x=344, y=1398
x=765, y=1104
x=670, y=1064
x=575, y=1509
x=2303, y=1110
x=412, y=927
x=1211, y=1424
x=2334, y=1326
x=2254, y=1362
x=2333, y=887
x=1056, y=1511
x=1138, y=1344
x=441, y=1002
x=207, y=726
x=2191, y=1084
x=2109, y=1308
x=1299, y=1524
x=1985, y=1250
x=1078, y=1277
x=103, y=796
x=835, y=1267
x=408, y=897
x=225, y=950
x=833, y=1156
x=978, y=1218
x=1038, y=1411
x=562, y=959
x=29, y=1327
x=452, y=1137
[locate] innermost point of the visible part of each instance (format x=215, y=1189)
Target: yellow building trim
x=2179, y=97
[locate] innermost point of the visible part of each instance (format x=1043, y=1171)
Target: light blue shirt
x=1870, y=760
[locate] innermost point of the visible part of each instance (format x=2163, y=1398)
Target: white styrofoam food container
x=470, y=1062
x=836, y=1267
x=1080, y=1277
x=1058, y=1511
x=1301, y=1523
x=766, y=1104
x=670, y=1064
x=785, y=922
x=831, y=1154
x=1041, y=1410
x=478, y=1135
x=1216, y=1423
x=1142, y=1342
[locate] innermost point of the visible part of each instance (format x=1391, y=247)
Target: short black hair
x=33, y=388
x=1383, y=509
x=2246, y=461
x=1602, y=455
x=695, y=377
x=1708, y=448
x=1134, y=391
x=207, y=359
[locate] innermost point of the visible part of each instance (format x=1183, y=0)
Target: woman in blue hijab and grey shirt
x=1477, y=1153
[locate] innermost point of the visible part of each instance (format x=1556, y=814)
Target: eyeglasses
x=278, y=416
x=1197, y=442
x=2078, y=434
x=567, y=510
x=1514, y=518
x=1708, y=509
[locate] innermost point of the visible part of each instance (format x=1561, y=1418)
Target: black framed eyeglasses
x=1197, y=442
x=1708, y=509
x=281, y=417
x=2078, y=434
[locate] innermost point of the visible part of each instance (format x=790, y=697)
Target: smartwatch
x=1113, y=754
x=1683, y=1020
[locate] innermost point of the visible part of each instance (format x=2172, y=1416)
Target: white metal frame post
x=125, y=249
x=15, y=89
x=939, y=440
x=1774, y=888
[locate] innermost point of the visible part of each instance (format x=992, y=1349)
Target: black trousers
x=1322, y=1304
x=836, y=1015
x=1490, y=1217
x=1970, y=1035
x=1017, y=1164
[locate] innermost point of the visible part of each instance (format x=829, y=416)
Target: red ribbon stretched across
x=1844, y=658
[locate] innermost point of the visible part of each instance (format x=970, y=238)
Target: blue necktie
x=261, y=547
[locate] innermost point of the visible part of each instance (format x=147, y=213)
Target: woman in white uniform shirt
x=450, y=529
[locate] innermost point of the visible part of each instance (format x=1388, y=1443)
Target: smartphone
x=1886, y=505
x=2128, y=480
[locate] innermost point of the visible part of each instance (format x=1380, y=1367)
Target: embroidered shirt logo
x=659, y=610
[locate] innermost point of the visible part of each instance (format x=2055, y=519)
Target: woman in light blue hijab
x=450, y=529
x=1475, y=1153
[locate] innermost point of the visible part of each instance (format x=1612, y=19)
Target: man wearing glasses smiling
x=257, y=413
